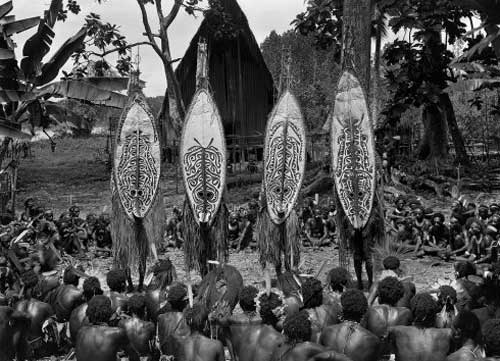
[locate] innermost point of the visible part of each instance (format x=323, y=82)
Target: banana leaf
x=19, y=26
x=6, y=8
x=39, y=44
x=109, y=83
x=81, y=90
x=52, y=67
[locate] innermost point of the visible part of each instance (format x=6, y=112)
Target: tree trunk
x=376, y=77
x=456, y=134
x=435, y=139
x=356, y=39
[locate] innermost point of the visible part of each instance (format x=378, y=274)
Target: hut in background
x=242, y=85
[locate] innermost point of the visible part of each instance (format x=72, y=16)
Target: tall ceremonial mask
x=137, y=159
x=353, y=151
x=137, y=220
x=277, y=227
x=203, y=162
x=284, y=157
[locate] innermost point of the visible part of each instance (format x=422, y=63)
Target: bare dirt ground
x=76, y=173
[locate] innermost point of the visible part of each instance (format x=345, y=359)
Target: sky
x=263, y=17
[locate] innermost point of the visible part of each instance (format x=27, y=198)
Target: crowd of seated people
x=470, y=232
x=294, y=318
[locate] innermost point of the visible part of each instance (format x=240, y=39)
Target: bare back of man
x=380, y=318
x=322, y=317
x=77, y=320
x=99, y=343
x=200, y=348
x=172, y=329
x=420, y=344
x=253, y=342
x=306, y=351
x=39, y=312
x=352, y=340
x=466, y=353
x=141, y=335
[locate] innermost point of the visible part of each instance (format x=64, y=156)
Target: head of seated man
x=424, y=309
x=390, y=291
x=354, y=305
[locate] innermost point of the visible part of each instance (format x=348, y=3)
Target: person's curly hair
x=136, y=305
x=91, y=288
x=312, y=293
x=116, y=280
x=464, y=269
x=491, y=336
x=446, y=292
x=247, y=298
x=297, y=327
x=390, y=291
x=391, y=263
x=177, y=297
x=468, y=324
x=423, y=308
x=197, y=317
x=339, y=279
x=267, y=305
x=70, y=277
x=99, y=309
x=354, y=305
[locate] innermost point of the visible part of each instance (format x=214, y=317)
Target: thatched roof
x=239, y=78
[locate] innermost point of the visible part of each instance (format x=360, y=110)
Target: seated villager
x=248, y=306
x=338, y=280
x=420, y=229
x=466, y=334
x=172, y=327
x=349, y=337
x=316, y=231
x=78, y=318
x=490, y=293
x=459, y=242
x=321, y=315
x=14, y=328
x=254, y=341
x=478, y=241
x=421, y=342
x=439, y=232
x=491, y=338
x=387, y=314
x=65, y=298
x=98, y=341
x=446, y=303
x=197, y=346
x=174, y=230
x=233, y=225
x=392, y=268
x=468, y=292
x=140, y=333
x=400, y=212
x=297, y=347
x=117, y=283
x=164, y=275
x=483, y=213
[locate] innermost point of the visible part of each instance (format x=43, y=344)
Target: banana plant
x=25, y=87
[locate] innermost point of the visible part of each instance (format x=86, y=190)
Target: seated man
x=421, y=342
x=380, y=318
x=172, y=325
x=316, y=230
x=254, y=341
x=248, y=306
x=320, y=315
x=164, y=276
x=491, y=338
x=466, y=333
x=196, y=346
x=447, y=299
x=65, y=298
x=78, y=318
x=117, y=283
x=98, y=341
x=298, y=332
x=349, y=337
x=141, y=334
x=339, y=280
x=14, y=328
